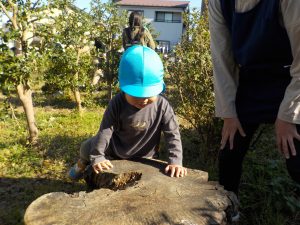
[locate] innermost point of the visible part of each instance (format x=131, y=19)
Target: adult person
x=136, y=33
x=255, y=48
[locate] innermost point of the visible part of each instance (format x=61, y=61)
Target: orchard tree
x=108, y=27
x=69, y=50
x=17, y=64
x=190, y=71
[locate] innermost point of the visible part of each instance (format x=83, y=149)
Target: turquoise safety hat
x=141, y=72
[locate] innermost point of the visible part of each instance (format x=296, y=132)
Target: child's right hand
x=105, y=165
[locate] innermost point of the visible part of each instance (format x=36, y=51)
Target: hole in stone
x=113, y=181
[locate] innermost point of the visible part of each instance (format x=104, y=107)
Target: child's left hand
x=178, y=171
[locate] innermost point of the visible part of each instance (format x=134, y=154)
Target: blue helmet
x=141, y=72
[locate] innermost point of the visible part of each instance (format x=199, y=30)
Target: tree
x=109, y=24
x=70, y=53
x=191, y=73
x=19, y=63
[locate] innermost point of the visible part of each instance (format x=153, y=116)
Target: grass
x=27, y=172
x=268, y=196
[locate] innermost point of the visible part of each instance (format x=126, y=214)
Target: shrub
x=190, y=75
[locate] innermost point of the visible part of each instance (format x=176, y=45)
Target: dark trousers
x=230, y=161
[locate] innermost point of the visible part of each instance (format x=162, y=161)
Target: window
x=168, y=17
x=163, y=46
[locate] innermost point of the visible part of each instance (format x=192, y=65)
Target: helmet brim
x=143, y=91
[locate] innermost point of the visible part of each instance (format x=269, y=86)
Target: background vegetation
x=54, y=70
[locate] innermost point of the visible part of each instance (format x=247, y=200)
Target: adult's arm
x=290, y=106
x=224, y=67
x=150, y=41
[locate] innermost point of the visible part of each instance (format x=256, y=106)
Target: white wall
x=167, y=31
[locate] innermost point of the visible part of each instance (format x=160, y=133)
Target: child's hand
x=105, y=165
x=176, y=170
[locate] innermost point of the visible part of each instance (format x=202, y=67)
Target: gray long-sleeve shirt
x=133, y=133
x=226, y=71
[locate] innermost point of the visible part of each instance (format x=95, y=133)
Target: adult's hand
x=230, y=126
x=285, y=134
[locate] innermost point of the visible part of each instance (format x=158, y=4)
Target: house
x=164, y=15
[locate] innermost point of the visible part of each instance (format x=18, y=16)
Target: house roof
x=153, y=3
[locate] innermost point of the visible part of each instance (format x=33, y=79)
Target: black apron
x=261, y=48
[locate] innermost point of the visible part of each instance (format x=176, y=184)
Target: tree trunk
x=25, y=95
x=204, y=6
x=78, y=99
x=24, y=91
x=109, y=71
x=76, y=89
x=109, y=90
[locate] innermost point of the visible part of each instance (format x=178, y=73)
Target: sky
x=85, y=3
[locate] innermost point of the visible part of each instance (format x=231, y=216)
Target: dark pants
x=230, y=161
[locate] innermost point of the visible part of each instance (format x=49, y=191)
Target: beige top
x=226, y=71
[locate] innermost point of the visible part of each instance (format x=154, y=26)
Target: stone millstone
x=136, y=193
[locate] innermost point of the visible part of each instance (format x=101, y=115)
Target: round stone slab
x=151, y=197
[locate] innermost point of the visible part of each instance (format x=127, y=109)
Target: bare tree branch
x=35, y=4
x=15, y=12
x=6, y=12
x=33, y=20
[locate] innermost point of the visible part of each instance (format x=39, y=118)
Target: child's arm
x=173, y=141
x=101, y=141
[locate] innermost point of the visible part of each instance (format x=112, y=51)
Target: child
x=136, y=33
x=134, y=119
